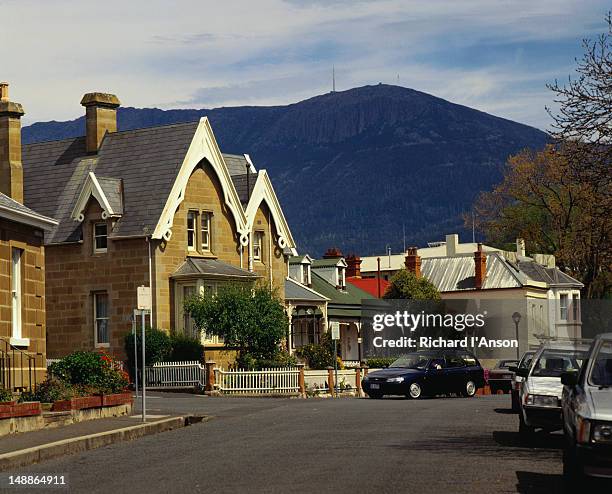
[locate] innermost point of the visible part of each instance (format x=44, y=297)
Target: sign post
x=335, y=334
x=144, y=305
x=134, y=330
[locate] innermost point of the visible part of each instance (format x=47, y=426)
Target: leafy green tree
x=405, y=285
x=253, y=320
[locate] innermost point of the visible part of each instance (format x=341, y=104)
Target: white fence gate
x=261, y=382
x=163, y=375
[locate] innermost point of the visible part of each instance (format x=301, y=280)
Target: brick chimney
x=333, y=253
x=413, y=261
x=100, y=117
x=353, y=269
x=480, y=267
x=11, y=169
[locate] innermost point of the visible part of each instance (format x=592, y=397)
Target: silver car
x=587, y=414
x=541, y=389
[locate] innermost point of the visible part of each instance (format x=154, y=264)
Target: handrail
x=17, y=367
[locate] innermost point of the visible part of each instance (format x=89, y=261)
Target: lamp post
x=516, y=317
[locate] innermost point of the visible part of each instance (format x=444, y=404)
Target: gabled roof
x=553, y=276
x=15, y=211
x=237, y=164
x=295, y=291
x=108, y=193
x=244, y=186
x=195, y=267
x=351, y=296
x=327, y=263
x=305, y=259
x=147, y=160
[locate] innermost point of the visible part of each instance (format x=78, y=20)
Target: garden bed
x=95, y=401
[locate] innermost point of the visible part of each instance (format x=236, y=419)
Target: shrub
x=321, y=355
x=5, y=395
x=157, y=347
x=185, y=347
x=50, y=390
x=380, y=362
x=280, y=359
x=406, y=285
x=89, y=373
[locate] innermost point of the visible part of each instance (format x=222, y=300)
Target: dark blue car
x=427, y=373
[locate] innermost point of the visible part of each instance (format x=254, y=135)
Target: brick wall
x=74, y=273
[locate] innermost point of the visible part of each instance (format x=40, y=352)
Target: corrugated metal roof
x=457, y=273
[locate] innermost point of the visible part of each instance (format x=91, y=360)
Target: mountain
x=353, y=169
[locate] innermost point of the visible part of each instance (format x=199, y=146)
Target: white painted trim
x=19, y=341
x=91, y=187
x=263, y=191
x=203, y=146
x=35, y=220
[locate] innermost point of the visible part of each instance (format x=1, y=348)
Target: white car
x=587, y=415
x=524, y=363
x=541, y=389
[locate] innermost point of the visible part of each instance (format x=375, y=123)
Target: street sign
x=144, y=298
x=335, y=330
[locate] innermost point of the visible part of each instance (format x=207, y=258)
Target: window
x=563, y=299
x=102, y=336
x=100, y=231
x=454, y=361
x=191, y=230
x=206, y=217
x=189, y=327
x=341, y=277
x=576, y=307
x=16, y=292
x=305, y=273
x=257, y=243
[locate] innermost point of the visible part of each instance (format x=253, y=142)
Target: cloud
x=494, y=55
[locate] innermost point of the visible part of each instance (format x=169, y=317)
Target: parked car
x=587, y=414
x=500, y=377
x=540, y=393
x=524, y=363
x=427, y=373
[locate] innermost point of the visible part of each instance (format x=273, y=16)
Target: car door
x=435, y=376
x=456, y=371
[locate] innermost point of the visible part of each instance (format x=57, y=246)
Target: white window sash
x=16, y=293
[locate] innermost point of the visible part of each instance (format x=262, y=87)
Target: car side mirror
x=522, y=372
x=513, y=368
x=569, y=378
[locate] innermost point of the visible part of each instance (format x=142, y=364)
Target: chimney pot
x=100, y=117
x=353, y=269
x=332, y=253
x=4, y=91
x=413, y=261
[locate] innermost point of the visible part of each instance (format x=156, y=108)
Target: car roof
x=604, y=336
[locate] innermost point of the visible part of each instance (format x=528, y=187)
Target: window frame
x=96, y=249
x=258, y=235
x=96, y=318
x=575, y=307
x=192, y=214
x=208, y=216
x=340, y=275
x=563, y=307
x=16, y=293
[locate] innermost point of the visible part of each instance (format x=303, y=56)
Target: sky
x=493, y=55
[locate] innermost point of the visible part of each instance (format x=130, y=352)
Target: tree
x=541, y=201
x=405, y=285
x=253, y=320
x=584, y=118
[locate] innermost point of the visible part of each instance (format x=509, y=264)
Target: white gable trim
x=263, y=191
x=203, y=146
x=92, y=188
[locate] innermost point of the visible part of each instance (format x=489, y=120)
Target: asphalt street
x=452, y=445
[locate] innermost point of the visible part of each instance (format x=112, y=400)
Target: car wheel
x=414, y=391
x=469, y=389
x=374, y=395
x=526, y=432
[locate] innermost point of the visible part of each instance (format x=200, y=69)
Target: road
x=452, y=445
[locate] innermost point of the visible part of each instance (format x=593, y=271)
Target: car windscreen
x=601, y=372
x=505, y=364
x=412, y=361
x=554, y=362
x=525, y=362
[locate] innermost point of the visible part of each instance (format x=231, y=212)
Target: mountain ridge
x=353, y=168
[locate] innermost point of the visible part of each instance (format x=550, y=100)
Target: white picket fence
x=164, y=375
x=260, y=382
x=316, y=380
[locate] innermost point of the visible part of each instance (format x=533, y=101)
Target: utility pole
x=333, y=78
